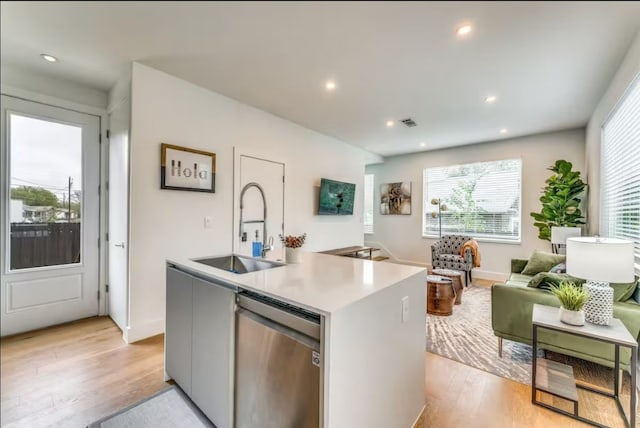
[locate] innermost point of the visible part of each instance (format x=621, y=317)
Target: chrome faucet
x=267, y=246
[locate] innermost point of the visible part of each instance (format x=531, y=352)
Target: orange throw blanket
x=475, y=251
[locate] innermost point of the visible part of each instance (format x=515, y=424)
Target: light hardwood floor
x=74, y=374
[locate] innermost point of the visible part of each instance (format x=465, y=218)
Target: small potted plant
x=572, y=298
x=292, y=245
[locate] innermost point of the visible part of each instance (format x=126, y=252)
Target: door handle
x=121, y=245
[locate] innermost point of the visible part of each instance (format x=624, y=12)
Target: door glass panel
x=45, y=192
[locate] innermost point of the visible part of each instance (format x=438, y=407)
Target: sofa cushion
x=542, y=261
x=451, y=258
x=511, y=283
x=547, y=279
x=520, y=277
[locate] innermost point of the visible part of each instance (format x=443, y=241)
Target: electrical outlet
x=208, y=222
x=405, y=309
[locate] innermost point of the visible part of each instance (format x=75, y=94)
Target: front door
x=50, y=159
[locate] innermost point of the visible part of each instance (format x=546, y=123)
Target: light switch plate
x=405, y=309
x=208, y=222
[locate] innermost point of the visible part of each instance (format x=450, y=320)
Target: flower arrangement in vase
x=572, y=298
x=292, y=245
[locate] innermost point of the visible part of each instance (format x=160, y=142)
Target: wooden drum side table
x=440, y=295
x=456, y=278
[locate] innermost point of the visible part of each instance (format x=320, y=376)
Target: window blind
x=368, y=203
x=482, y=200
x=620, y=169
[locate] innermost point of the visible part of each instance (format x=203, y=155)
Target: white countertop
x=320, y=282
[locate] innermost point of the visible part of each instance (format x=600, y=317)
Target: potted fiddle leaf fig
x=560, y=200
x=572, y=298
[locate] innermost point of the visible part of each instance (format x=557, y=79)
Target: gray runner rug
x=467, y=337
x=169, y=408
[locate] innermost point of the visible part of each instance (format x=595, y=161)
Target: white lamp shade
x=559, y=235
x=600, y=259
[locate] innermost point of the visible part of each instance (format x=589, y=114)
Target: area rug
x=467, y=337
x=168, y=408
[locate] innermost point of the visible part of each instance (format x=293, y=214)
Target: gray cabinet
x=200, y=336
x=179, y=320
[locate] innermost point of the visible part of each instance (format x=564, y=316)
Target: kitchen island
x=368, y=349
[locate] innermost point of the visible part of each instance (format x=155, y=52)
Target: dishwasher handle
x=301, y=338
x=287, y=319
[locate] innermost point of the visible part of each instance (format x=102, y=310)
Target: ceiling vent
x=409, y=122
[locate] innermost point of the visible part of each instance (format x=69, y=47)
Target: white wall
x=168, y=223
x=402, y=235
x=629, y=69
x=41, y=84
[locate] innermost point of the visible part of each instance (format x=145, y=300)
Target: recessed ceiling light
x=330, y=85
x=503, y=131
x=49, y=58
x=464, y=30
x=490, y=99
x=390, y=123
x=423, y=144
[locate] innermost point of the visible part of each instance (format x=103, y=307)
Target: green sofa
x=512, y=307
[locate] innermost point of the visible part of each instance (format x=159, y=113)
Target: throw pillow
x=545, y=280
x=542, y=261
x=622, y=292
x=559, y=268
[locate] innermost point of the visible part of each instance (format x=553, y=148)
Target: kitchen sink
x=237, y=264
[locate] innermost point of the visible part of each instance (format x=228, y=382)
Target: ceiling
x=548, y=63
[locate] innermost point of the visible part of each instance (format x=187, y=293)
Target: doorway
x=118, y=214
x=269, y=175
x=50, y=160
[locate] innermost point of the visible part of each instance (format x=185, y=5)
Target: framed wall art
x=187, y=169
x=395, y=198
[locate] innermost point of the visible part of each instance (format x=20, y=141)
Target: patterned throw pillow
x=559, y=268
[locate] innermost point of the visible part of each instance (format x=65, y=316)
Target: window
x=368, y=203
x=620, y=190
x=482, y=200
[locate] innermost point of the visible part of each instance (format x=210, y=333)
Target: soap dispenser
x=256, y=247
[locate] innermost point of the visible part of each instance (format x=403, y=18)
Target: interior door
x=118, y=200
x=270, y=176
x=50, y=160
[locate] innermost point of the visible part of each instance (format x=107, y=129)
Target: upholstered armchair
x=445, y=254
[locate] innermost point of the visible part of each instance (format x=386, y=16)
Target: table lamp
x=600, y=261
x=559, y=236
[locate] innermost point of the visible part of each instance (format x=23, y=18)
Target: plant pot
x=571, y=317
x=292, y=255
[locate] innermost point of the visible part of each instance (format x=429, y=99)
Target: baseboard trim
x=141, y=331
x=421, y=422
x=487, y=274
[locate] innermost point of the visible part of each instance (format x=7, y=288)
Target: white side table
x=557, y=379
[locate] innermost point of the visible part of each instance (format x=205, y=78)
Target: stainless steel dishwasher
x=277, y=364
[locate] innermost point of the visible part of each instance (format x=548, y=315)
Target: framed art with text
x=187, y=169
